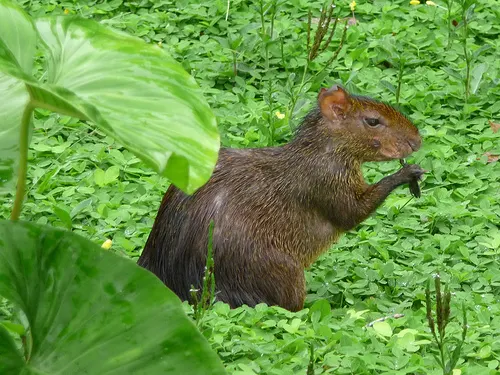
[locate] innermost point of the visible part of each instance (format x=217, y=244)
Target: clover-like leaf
x=383, y=329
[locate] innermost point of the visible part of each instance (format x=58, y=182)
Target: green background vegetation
x=250, y=66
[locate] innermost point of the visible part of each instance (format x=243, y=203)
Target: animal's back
x=177, y=246
x=254, y=239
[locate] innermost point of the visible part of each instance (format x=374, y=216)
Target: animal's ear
x=334, y=102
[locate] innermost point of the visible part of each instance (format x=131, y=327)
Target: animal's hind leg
x=274, y=280
x=288, y=284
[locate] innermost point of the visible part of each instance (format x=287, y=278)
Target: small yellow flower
x=66, y=11
x=159, y=44
x=414, y=2
x=352, y=5
x=431, y=3
x=457, y=371
x=106, y=245
x=280, y=115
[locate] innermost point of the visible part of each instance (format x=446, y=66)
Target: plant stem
x=282, y=49
x=264, y=34
x=467, y=56
x=262, y=24
x=23, y=162
x=400, y=79
x=208, y=288
x=441, y=352
x=273, y=16
x=467, y=75
x=235, y=64
x=227, y=10
x=296, y=96
x=449, y=4
x=270, y=115
x=310, y=366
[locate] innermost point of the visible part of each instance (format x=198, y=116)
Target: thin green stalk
x=296, y=96
x=400, y=79
x=235, y=64
x=263, y=33
x=467, y=74
x=203, y=299
x=441, y=353
x=310, y=366
x=467, y=57
x=262, y=23
x=227, y=9
x=309, y=20
x=208, y=279
x=23, y=162
x=282, y=49
x=449, y=4
x=273, y=16
x=306, y=67
x=270, y=115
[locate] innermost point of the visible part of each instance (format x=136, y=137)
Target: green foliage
x=91, y=311
x=144, y=98
x=81, y=309
x=447, y=359
x=378, y=270
x=203, y=299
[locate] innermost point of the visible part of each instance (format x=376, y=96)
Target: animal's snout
x=415, y=143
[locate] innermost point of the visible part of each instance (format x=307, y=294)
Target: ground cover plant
x=437, y=60
x=79, y=308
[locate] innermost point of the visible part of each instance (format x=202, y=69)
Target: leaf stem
x=23, y=162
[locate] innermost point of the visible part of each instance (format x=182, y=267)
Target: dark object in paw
x=413, y=185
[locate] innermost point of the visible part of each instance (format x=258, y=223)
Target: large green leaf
x=91, y=311
x=11, y=361
x=17, y=38
x=141, y=95
x=13, y=100
x=133, y=91
x=17, y=48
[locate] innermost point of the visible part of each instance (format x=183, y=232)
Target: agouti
x=276, y=209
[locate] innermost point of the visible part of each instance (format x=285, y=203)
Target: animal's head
x=376, y=131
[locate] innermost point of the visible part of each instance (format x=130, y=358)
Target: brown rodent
x=276, y=209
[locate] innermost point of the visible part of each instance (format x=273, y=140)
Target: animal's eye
x=373, y=122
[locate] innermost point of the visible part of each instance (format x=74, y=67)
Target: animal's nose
x=415, y=143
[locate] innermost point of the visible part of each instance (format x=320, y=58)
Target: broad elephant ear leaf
x=140, y=96
x=13, y=101
x=132, y=91
x=91, y=311
x=17, y=50
x=11, y=361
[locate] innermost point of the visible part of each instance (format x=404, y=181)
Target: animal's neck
x=317, y=170
x=317, y=135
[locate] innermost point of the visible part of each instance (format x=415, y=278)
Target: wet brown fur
x=277, y=209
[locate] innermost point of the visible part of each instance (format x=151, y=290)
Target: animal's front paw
x=411, y=174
